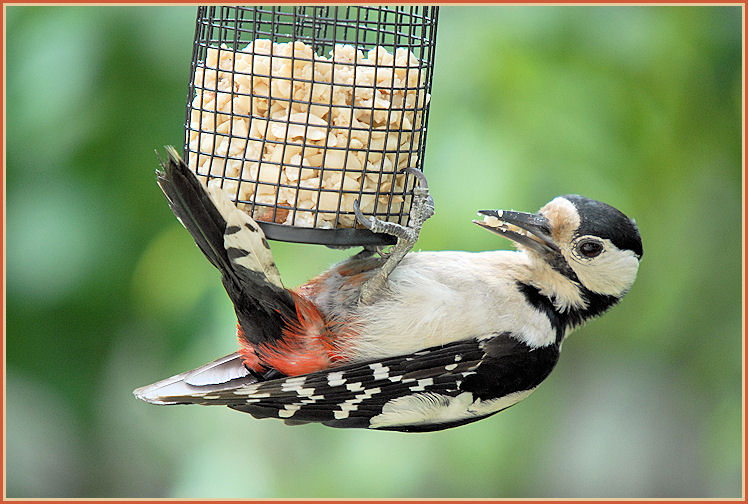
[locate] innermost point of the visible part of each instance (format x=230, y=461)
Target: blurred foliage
x=636, y=106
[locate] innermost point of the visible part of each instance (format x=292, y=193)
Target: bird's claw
x=421, y=209
x=360, y=217
x=423, y=204
x=419, y=176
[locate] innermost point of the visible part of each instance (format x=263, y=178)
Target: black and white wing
x=429, y=390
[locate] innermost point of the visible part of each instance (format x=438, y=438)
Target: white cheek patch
x=611, y=273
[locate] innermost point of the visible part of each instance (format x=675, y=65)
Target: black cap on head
x=601, y=219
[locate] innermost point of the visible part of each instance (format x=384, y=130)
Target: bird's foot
x=421, y=209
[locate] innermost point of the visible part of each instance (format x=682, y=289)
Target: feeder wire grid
x=302, y=111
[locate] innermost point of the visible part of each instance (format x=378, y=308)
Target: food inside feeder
x=303, y=136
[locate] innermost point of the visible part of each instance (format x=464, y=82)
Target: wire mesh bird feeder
x=301, y=111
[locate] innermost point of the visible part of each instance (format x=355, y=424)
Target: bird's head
x=587, y=241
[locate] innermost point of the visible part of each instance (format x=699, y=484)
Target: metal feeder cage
x=302, y=111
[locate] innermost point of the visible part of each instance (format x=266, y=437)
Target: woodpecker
x=399, y=340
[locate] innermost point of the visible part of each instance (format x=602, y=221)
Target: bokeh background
x=636, y=106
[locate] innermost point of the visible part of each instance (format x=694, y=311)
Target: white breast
x=440, y=297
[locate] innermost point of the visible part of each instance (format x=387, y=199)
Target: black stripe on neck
x=561, y=321
x=559, y=264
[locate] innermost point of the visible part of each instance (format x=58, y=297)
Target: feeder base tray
x=331, y=237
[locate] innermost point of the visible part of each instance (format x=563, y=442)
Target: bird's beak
x=531, y=230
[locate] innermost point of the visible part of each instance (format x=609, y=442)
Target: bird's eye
x=590, y=249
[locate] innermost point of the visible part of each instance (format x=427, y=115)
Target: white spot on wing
x=450, y=367
x=261, y=396
x=293, y=384
x=339, y=415
x=380, y=372
x=352, y=404
x=369, y=393
x=288, y=410
x=305, y=392
x=248, y=390
x=422, y=384
x=335, y=379
x=349, y=405
x=354, y=387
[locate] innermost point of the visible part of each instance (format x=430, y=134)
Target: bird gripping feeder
x=300, y=112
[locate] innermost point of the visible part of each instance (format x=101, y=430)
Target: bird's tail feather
x=236, y=245
x=228, y=237
x=191, y=387
x=244, y=241
x=192, y=206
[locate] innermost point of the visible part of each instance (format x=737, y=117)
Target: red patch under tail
x=306, y=344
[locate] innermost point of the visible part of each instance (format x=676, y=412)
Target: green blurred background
x=637, y=106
